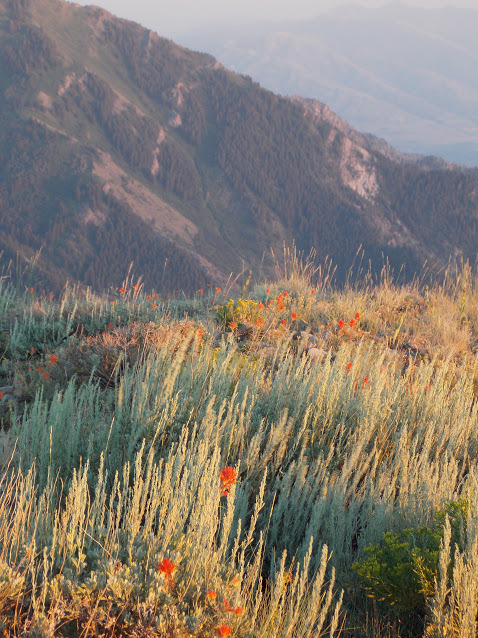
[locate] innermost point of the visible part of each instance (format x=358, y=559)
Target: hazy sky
x=171, y=18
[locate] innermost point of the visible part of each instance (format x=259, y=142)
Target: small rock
x=316, y=354
x=6, y=398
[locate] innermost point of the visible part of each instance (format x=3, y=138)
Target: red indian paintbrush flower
x=341, y=324
x=166, y=567
x=223, y=631
x=228, y=476
x=53, y=359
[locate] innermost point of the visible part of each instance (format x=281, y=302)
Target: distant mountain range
x=118, y=145
x=404, y=73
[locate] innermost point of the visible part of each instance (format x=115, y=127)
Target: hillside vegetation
x=299, y=461
x=118, y=145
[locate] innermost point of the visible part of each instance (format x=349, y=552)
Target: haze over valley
x=404, y=73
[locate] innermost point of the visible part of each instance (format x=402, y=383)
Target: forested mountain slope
x=118, y=145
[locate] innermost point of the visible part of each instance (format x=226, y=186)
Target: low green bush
x=402, y=569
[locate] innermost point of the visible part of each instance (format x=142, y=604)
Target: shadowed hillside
x=120, y=146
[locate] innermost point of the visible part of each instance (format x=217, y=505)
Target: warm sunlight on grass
x=215, y=466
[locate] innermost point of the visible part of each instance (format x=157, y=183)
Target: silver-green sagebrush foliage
x=170, y=470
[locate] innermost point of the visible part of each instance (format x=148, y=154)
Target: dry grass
x=337, y=434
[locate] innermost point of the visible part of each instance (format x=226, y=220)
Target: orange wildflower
x=352, y=322
x=166, y=567
x=223, y=631
x=312, y=292
x=330, y=326
x=31, y=289
x=228, y=476
x=281, y=307
x=148, y=297
x=211, y=594
x=232, y=325
x=39, y=369
x=122, y=291
x=349, y=366
x=136, y=287
x=154, y=306
x=261, y=305
x=218, y=289
x=286, y=294
x=357, y=316
x=155, y=296
x=53, y=359
x=364, y=382
x=237, y=611
x=341, y=324
x=268, y=291
x=294, y=315
x=1, y=395
x=46, y=375
x=227, y=606
x=260, y=322
x=200, y=290
x=283, y=322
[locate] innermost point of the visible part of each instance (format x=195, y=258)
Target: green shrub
x=402, y=568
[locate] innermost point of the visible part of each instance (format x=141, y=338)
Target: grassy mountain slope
x=120, y=146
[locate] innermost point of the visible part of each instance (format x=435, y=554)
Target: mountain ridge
x=121, y=146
